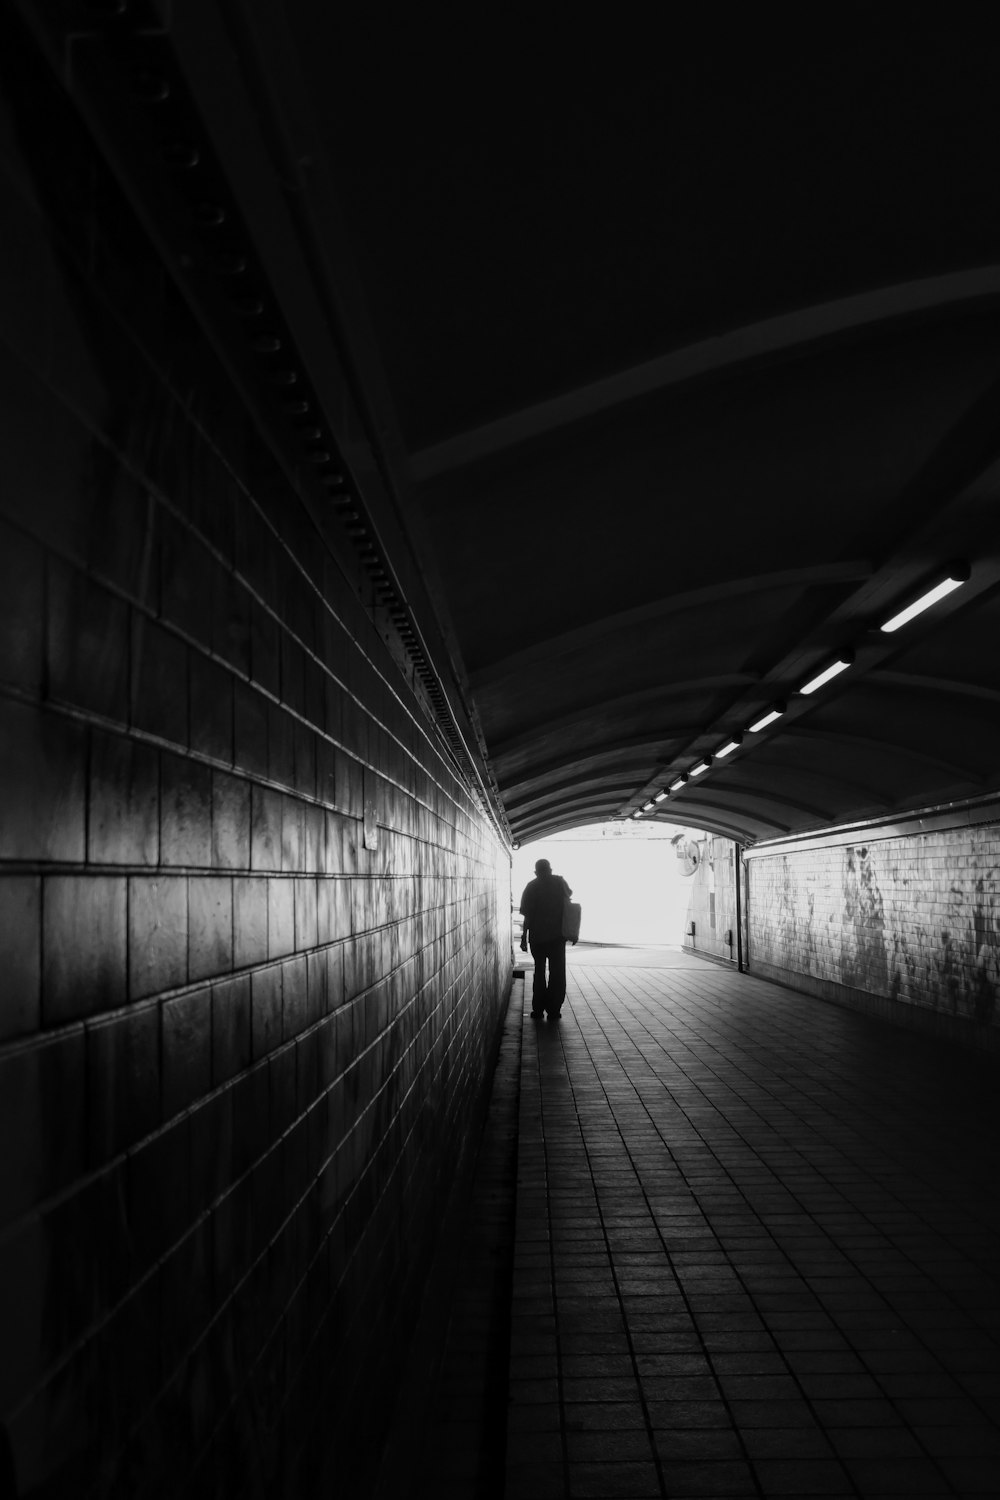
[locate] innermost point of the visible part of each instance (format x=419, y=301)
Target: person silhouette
x=542, y=909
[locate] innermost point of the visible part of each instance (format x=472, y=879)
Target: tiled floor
x=756, y=1247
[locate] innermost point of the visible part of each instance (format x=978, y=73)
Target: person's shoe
x=554, y=1015
x=537, y=1015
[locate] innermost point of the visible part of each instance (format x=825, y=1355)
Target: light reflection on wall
x=631, y=886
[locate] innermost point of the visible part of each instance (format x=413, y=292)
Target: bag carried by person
x=571, y=920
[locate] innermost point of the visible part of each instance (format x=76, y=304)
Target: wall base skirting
x=719, y=952
x=934, y=1023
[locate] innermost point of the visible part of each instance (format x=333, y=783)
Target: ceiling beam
x=853, y=570
x=947, y=686
x=712, y=358
x=628, y=701
x=867, y=742
x=589, y=764
x=776, y=799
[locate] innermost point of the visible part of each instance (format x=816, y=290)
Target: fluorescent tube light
x=733, y=743
x=660, y=795
x=675, y=786
x=844, y=660
x=702, y=765
x=774, y=712
x=958, y=573
x=647, y=806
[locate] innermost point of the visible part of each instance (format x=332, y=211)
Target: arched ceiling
x=679, y=369
x=692, y=366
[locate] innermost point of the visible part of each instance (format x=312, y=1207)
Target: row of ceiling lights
x=955, y=575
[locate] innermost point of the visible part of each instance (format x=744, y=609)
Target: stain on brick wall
x=256, y=932
x=909, y=922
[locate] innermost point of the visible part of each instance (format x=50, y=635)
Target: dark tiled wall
x=903, y=927
x=239, y=1051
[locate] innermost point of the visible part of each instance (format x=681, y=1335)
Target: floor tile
x=754, y=1237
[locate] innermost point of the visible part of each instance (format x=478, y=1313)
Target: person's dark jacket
x=542, y=908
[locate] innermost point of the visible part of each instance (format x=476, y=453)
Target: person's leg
x=538, y=986
x=557, y=978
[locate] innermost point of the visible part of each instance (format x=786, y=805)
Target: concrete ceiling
x=680, y=363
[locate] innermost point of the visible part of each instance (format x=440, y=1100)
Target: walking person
x=542, y=909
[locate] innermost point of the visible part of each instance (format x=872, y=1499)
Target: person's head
x=542, y=867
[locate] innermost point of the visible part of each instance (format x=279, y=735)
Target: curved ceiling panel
x=680, y=386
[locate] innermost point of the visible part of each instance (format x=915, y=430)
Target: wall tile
x=87, y=643
x=293, y=673
x=249, y=920
x=307, y=1049
x=265, y=668
x=335, y=988
x=186, y=581
x=185, y=1281
x=265, y=1016
x=231, y=621
x=185, y=812
x=280, y=745
x=325, y=930
x=306, y=761
x=230, y=822
x=295, y=998
x=86, y=1259
x=250, y=719
x=123, y=537
x=187, y=1050
x=123, y=1081
x=21, y=924
x=293, y=837
x=333, y=707
x=123, y=827
x=265, y=828
x=280, y=917
x=212, y=709
x=43, y=1108
x=230, y=1028
x=157, y=934
x=44, y=455
x=158, y=1192
x=22, y=611
x=314, y=858
x=42, y=784
x=317, y=986
x=305, y=915
x=159, y=681
x=250, y=1115
x=210, y=926
x=232, y=1233
x=23, y=1289
x=83, y=945
x=283, y=1091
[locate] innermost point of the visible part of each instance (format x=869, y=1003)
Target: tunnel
x=421, y=439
